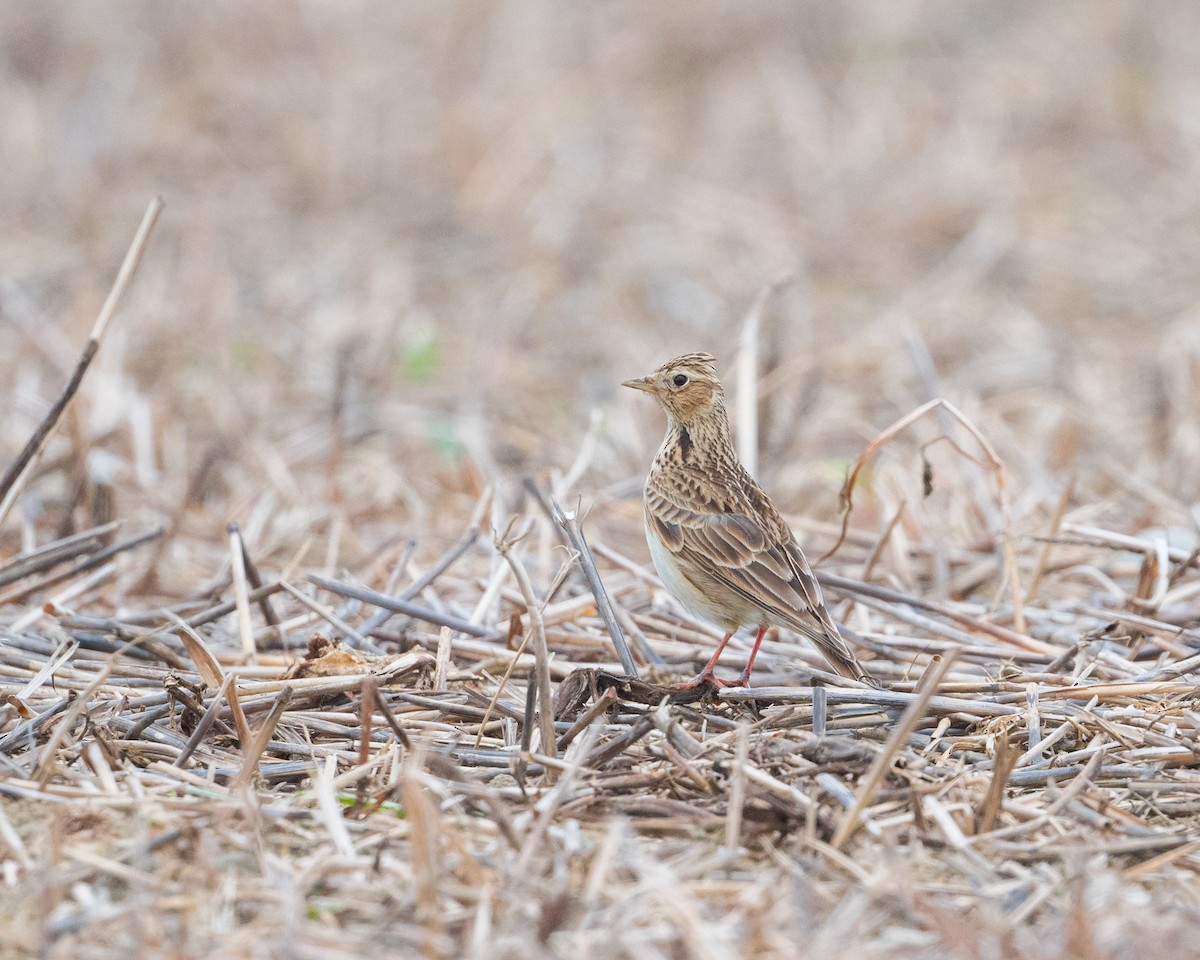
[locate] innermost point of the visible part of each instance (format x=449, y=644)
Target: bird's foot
x=699, y=680
x=706, y=677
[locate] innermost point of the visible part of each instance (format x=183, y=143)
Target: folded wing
x=766, y=567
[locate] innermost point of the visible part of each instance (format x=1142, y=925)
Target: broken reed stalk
x=576, y=759
x=254, y=578
x=425, y=853
x=206, y=720
x=1006, y=759
x=444, y=649
x=820, y=709
x=942, y=609
x=221, y=609
x=15, y=477
x=737, y=791
x=437, y=568
x=881, y=543
x=745, y=398
x=537, y=629
x=413, y=610
x=90, y=562
x=570, y=524
x=241, y=591
x=327, y=615
x=440, y=566
x=598, y=707
x=503, y=684
x=329, y=809
x=393, y=724
x=207, y=665
x=961, y=706
x=258, y=744
x=366, y=713
x=51, y=554
x=746, y=373
x=520, y=763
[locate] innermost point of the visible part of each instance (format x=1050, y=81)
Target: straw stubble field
x=350, y=472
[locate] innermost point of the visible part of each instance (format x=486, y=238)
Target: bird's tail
x=845, y=663
x=818, y=625
x=831, y=641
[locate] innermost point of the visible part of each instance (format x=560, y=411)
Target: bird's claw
x=709, y=679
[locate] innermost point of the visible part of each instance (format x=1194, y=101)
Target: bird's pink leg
x=706, y=675
x=744, y=679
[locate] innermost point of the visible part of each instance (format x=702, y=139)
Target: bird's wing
x=759, y=564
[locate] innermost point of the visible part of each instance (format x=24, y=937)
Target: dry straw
x=410, y=257
x=460, y=766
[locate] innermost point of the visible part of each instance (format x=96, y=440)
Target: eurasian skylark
x=717, y=541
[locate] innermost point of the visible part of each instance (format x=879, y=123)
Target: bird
x=717, y=541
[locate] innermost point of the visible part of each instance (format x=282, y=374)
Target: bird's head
x=687, y=387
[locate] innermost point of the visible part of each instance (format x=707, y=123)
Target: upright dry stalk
x=737, y=791
x=17, y=474
x=570, y=525
x=1005, y=759
x=241, y=591
x=227, y=689
x=329, y=809
x=366, y=713
x=745, y=400
x=425, y=835
x=745, y=403
x=253, y=754
x=541, y=652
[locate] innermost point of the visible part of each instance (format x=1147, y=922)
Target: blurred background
x=412, y=249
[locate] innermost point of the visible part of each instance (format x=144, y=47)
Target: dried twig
x=993, y=460
x=13, y=480
x=570, y=524
x=537, y=630
x=883, y=760
x=398, y=606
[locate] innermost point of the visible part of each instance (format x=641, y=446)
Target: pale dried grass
x=407, y=254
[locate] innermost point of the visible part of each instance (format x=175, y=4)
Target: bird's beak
x=644, y=383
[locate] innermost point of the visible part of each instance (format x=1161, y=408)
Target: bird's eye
x=679, y=380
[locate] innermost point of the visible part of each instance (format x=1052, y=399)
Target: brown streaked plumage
x=717, y=541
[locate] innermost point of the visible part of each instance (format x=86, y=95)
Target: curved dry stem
x=993, y=461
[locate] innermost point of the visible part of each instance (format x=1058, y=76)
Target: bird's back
x=725, y=550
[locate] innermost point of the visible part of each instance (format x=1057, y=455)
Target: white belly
x=697, y=602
